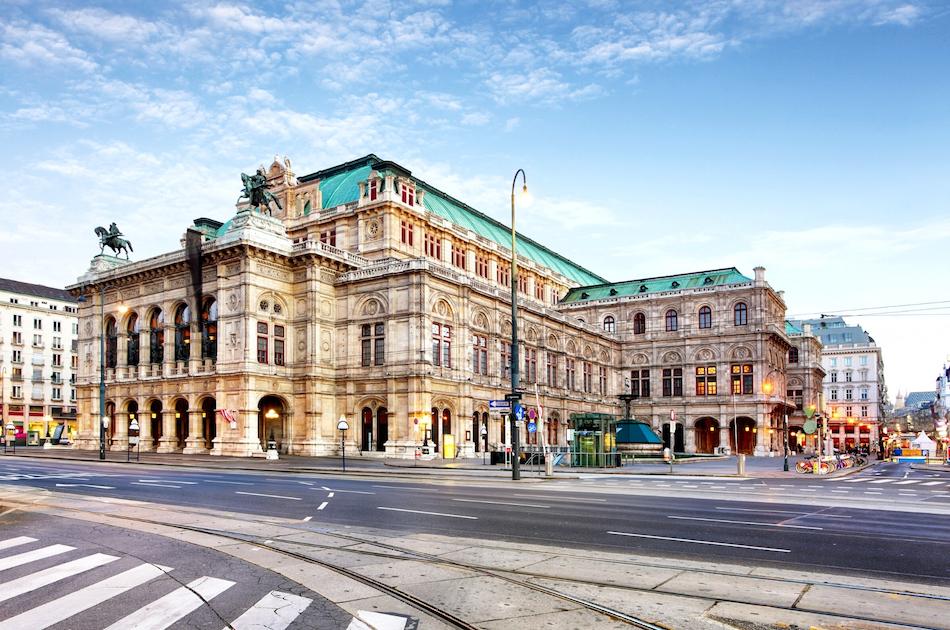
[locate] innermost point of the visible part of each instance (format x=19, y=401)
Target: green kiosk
x=594, y=444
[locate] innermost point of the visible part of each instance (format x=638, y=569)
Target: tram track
x=520, y=577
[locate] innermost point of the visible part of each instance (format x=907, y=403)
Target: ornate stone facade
x=376, y=297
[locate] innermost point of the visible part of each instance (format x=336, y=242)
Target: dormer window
x=613, y=292
x=585, y=295
x=408, y=194
x=708, y=280
x=643, y=288
x=675, y=284
x=373, y=189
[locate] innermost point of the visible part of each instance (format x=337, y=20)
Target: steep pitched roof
x=915, y=399
x=645, y=286
x=36, y=290
x=340, y=185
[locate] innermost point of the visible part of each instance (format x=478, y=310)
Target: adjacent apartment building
x=38, y=362
x=854, y=390
x=375, y=297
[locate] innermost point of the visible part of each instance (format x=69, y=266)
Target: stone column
x=145, y=430
x=689, y=437
x=168, y=442
x=195, y=444
x=761, y=436
x=725, y=432
x=120, y=432
x=168, y=358
x=121, y=353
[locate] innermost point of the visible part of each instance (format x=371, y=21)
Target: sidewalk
x=756, y=467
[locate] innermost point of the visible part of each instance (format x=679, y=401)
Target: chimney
x=759, y=275
x=807, y=329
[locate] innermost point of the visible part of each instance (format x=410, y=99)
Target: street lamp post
x=768, y=388
x=514, y=397
x=343, y=426
x=102, y=372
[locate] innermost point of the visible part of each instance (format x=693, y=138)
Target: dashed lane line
x=270, y=496
x=701, y=542
x=392, y=509
x=723, y=520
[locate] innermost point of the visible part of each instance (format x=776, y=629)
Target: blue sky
x=809, y=136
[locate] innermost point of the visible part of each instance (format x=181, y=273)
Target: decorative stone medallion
x=372, y=228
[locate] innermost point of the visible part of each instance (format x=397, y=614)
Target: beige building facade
x=374, y=297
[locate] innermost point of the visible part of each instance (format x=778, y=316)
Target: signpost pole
x=343, y=426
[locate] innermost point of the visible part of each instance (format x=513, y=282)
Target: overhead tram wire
x=853, y=311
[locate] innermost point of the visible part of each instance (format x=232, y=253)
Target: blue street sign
x=519, y=413
x=499, y=405
x=532, y=427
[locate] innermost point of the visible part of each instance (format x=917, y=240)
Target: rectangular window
x=864, y=359
x=57, y=359
x=795, y=395
x=433, y=246
x=538, y=292
x=458, y=256
x=405, y=232
x=503, y=276
x=864, y=393
x=408, y=194
x=441, y=345
x=17, y=356
x=373, y=189
x=37, y=324
x=847, y=361
x=571, y=372
x=706, y=380
x=522, y=284
x=847, y=377
x=17, y=320
x=640, y=383
x=834, y=377
x=551, y=369
x=278, y=345
x=379, y=344
x=328, y=237
x=848, y=394
x=673, y=382
x=834, y=394
x=262, y=342
x=530, y=365
x=37, y=341
x=75, y=328
x=17, y=338
x=588, y=377
x=847, y=412
x=57, y=343
x=480, y=355
x=834, y=362
x=57, y=393
x=864, y=411
x=17, y=391
x=602, y=380
x=742, y=382
x=58, y=327
x=372, y=344
x=481, y=267
x=73, y=362
x=505, y=360
x=56, y=377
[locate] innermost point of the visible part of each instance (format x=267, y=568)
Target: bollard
x=741, y=464
x=549, y=466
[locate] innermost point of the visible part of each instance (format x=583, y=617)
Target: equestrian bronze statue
x=112, y=237
x=255, y=191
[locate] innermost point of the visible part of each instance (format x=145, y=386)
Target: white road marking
x=534, y=505
x=702, y=542
x=83, y=485
x=65, y=607
x=153, y=485
x=275, y=611
x=307, y=518
x=323, y=505
x=15, y=542
x=858, y=480
x=721, y=520
x=350, y=491
x=366, y=620
x=392, y=509
x=839, y=491
x=881, y=481
x=233, y=483
x=306, y=483
x=330, y=495
x=907, y=483
x=270, y=496
x=30, y=556
x=405, y=488
x=189, y=483
x=931, y=483
x=165, y=611
x=571, y=499
x=325, y=488
x=27, y=583
x=873, y=493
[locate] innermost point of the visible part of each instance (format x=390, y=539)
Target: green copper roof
x=699, y=279
x=340, y=185
x=792, y=329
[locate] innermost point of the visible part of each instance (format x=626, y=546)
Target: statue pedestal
x=99, y=265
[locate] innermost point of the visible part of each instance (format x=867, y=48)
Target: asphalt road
x=773, y=522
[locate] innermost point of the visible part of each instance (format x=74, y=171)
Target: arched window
x=705, y=317
x=672, y=320
x=209, y=329
x=182, y=332
x=112, y=342
x=793, y=355
x=156, y=336
x=133, y=328
x=639, y=324
x=610, y=325
x=742, y=314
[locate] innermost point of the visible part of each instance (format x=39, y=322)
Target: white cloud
x=512, y=123
x=37, y=46
x=540, y=86
x=105, y=25
x=476, y=119
x=905, y=15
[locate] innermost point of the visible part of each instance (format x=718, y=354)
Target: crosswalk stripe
x=275, y=611
x=14, y=542
x=27, y=583
x=858, y=480
x=166, y=610
x=907, y=482
x=58, y=610
x=931, y=483
x=31, y=556
x=882, y=481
